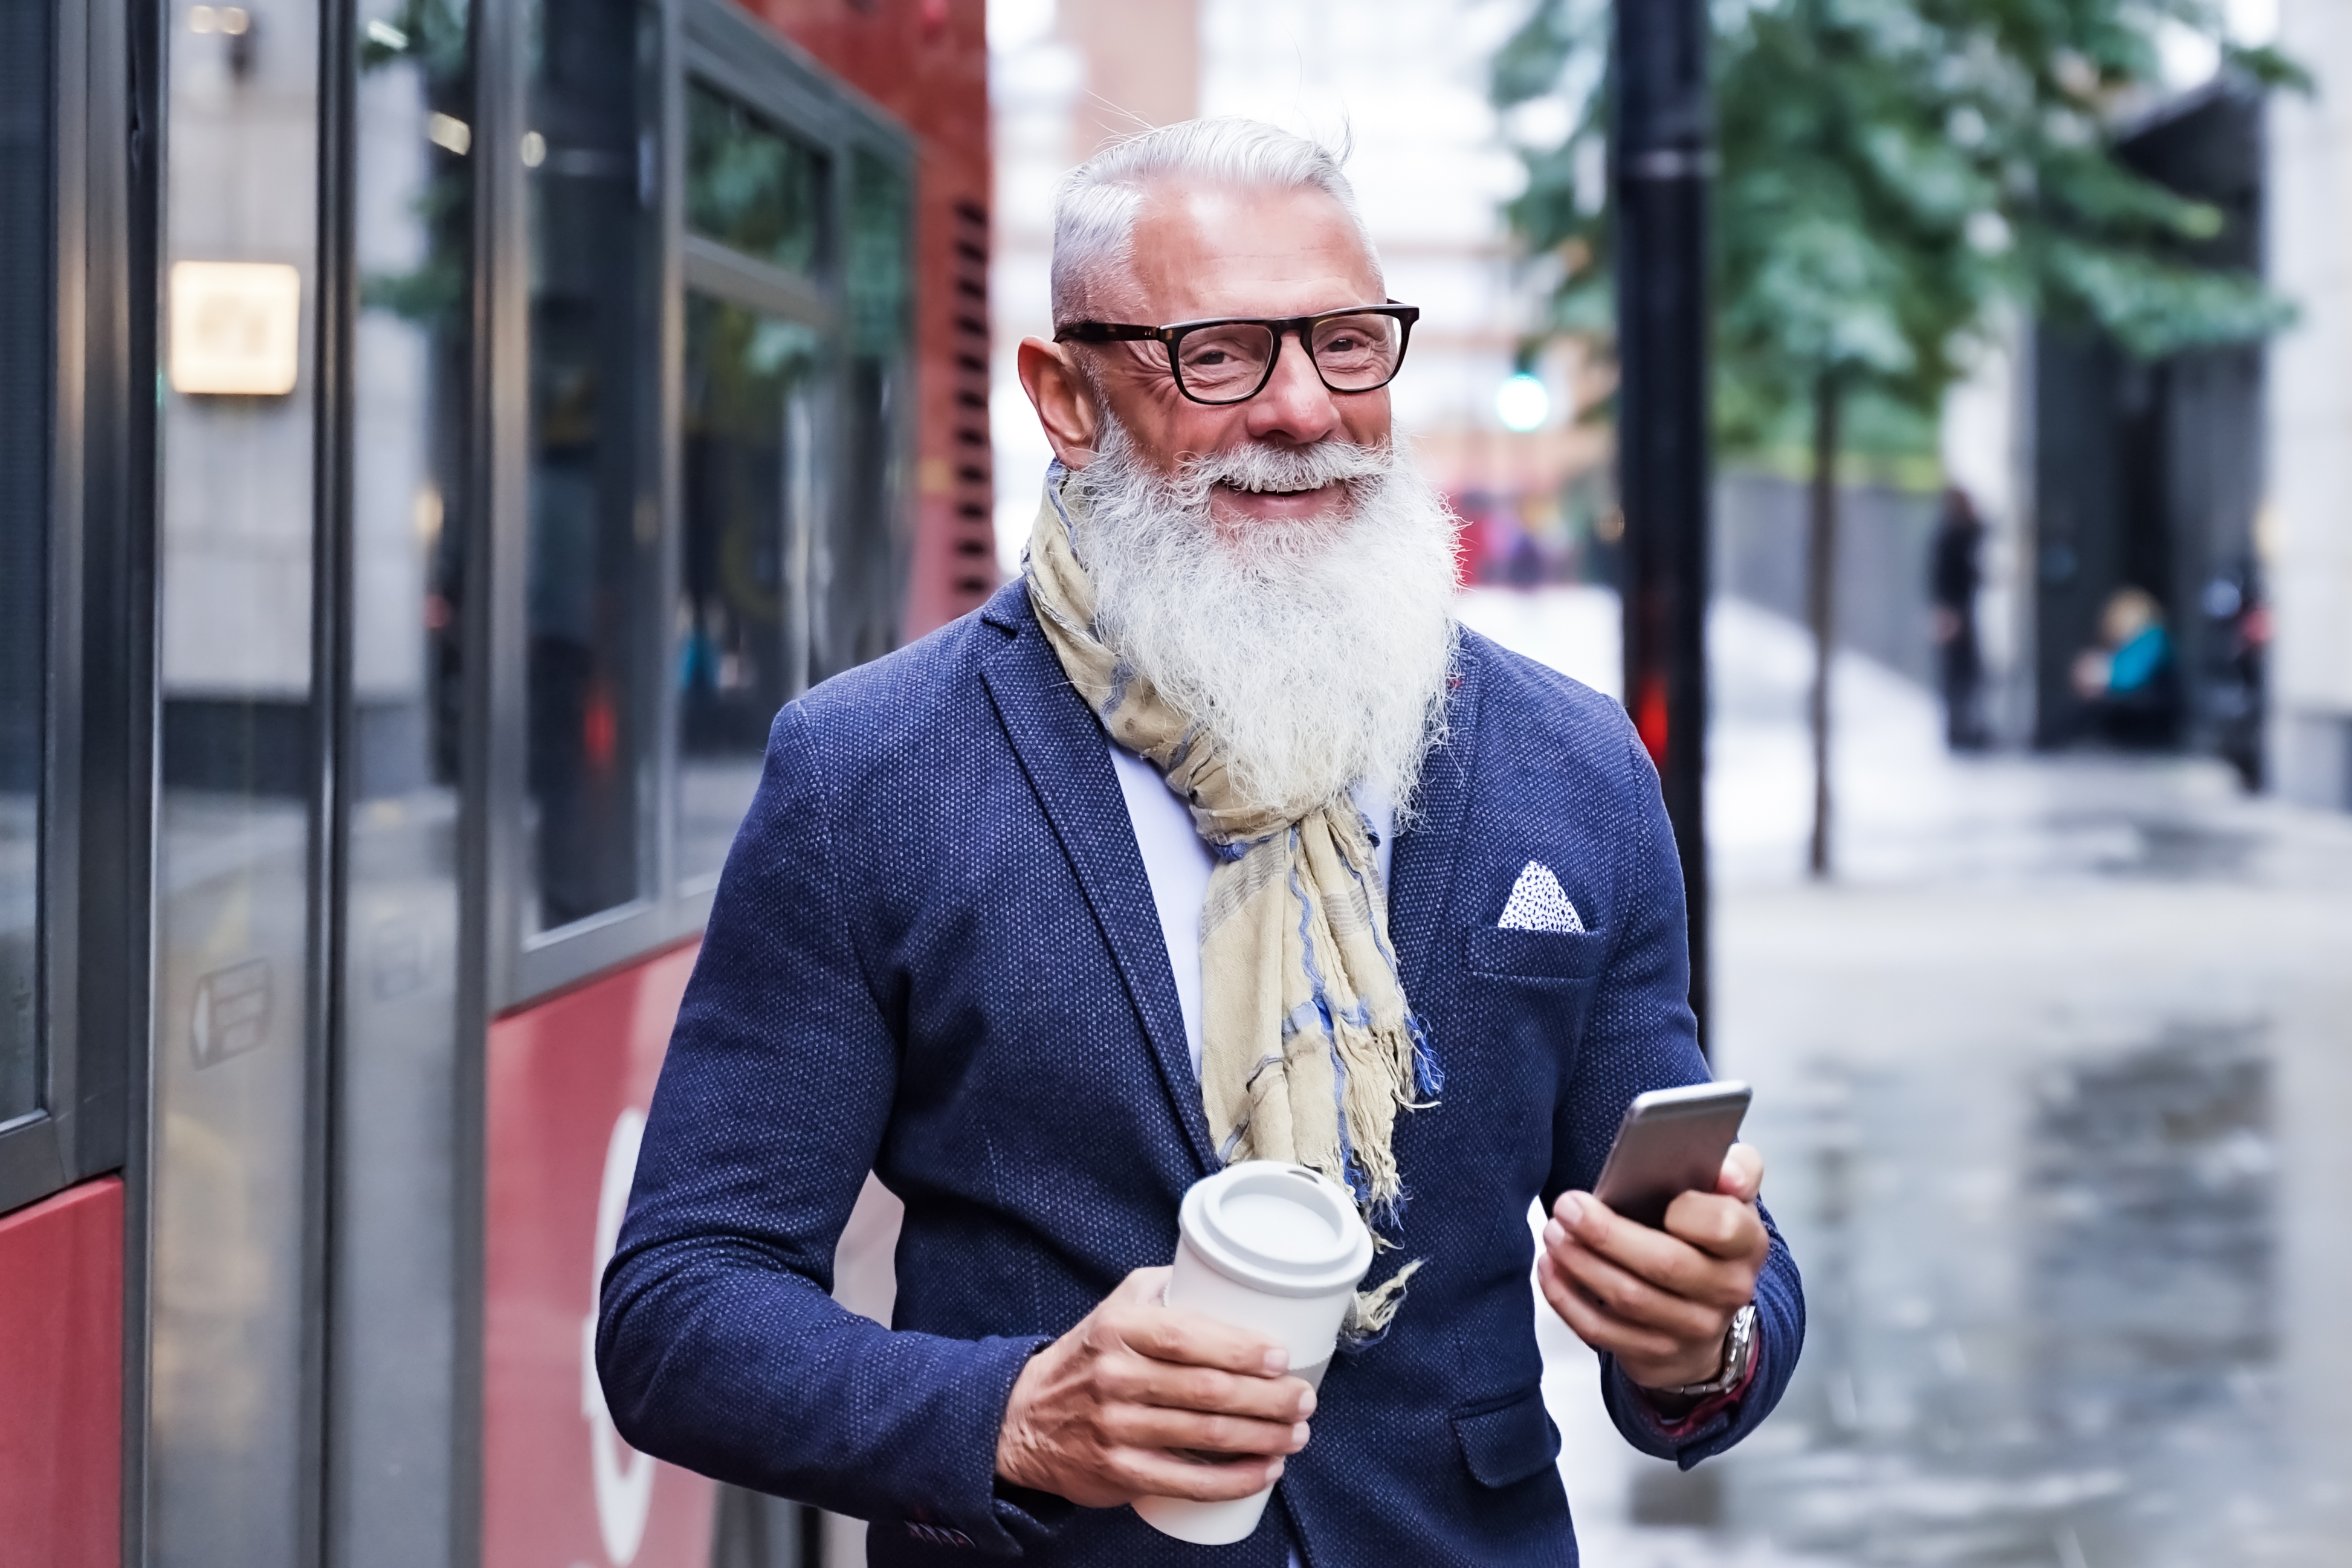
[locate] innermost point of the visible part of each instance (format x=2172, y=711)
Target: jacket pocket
x=1535, y=955
x=1505, y=1444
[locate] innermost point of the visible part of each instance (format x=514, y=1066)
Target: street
x=2053, y=1085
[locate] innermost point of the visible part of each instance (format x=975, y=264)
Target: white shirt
x=1177, y=862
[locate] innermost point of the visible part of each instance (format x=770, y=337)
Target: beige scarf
x=1308, y=1047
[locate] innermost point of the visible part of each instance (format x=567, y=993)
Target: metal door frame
x=94, y=919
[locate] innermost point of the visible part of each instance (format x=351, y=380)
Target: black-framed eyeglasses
x=1229, y=359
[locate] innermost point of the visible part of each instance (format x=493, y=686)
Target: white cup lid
x=1277, y=1227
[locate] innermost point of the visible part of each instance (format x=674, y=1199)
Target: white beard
x=1316, y=654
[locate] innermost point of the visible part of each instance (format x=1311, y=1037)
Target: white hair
x=1096, y=205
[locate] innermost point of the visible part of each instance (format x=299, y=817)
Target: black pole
x=1663, y=159
x=1820, y=602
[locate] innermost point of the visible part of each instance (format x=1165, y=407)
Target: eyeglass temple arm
x=1105, y=332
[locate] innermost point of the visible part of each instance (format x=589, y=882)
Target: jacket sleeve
x=1640, y=1034
x=718, y=1342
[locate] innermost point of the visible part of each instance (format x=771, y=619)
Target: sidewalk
x=2055, y=1082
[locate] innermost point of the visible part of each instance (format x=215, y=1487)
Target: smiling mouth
x=1276, y=489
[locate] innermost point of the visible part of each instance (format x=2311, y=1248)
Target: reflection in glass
x=225, y=1460
x=855, y=561
x=749, y=435
x=595, y=510
x=391, y=1371
x=25, y=361
x=750, y=186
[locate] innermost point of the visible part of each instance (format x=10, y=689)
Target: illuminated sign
x=236, y=327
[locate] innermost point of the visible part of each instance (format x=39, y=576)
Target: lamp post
x=1664, y=158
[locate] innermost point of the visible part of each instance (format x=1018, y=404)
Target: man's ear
x=1063, y=402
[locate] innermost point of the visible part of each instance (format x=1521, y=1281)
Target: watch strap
x=1739, y=1357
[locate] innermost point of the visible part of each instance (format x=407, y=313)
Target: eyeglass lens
x=1229, y=362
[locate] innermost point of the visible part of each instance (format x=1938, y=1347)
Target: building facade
x=2304, y=531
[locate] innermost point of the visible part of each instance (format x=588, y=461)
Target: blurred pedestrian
x=2127, y=681
x=2237, y=631
x=1955, y=575
x=1526, y=569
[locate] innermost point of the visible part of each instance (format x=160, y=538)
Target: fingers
x=1629, y=1343
x=1144, y=1287
x=1168, y=1333
x=1194, y=1431
x=1149, y=1473
x=1658, y=1300
x=1184, y=1361
x=1726, y=1229
x=1140, y=1399
x=1140, y=1380
x=1636, y=1301
x=1653, y=1356
x=1710, y=1252
x=1743, y=1174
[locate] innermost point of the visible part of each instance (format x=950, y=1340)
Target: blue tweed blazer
x=934, y=954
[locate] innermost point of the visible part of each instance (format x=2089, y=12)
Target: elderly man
x=1211, y=838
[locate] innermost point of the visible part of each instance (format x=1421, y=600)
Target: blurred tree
x=431, y=35
x=1890, y=172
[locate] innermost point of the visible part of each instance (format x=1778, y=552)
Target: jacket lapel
x=1421, y=871
x=1065, y=755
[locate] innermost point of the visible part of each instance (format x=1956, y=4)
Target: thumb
x=1145, y=1286
x=1743, y=1174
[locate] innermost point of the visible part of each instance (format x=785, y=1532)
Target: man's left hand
x=1661, y=1302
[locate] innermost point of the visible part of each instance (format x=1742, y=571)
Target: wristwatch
x=1739, y=1357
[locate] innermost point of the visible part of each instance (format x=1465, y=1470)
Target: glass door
x=758, y=361
x=594, y=106
x=747, y=449
x=400, y=1023
x=231, y=1420
x=26, y=368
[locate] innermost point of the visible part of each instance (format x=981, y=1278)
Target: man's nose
x=1295, y=406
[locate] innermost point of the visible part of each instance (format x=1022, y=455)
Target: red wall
x=61, y=1380
x=925, y=62
x=568, y=1079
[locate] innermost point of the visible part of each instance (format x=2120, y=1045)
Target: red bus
x=436, y=438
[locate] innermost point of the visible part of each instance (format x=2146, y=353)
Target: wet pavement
x=2055, y=1079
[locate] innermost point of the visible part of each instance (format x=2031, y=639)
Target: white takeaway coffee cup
x=1273, y=1248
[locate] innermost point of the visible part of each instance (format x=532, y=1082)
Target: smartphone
x=1671, y=1142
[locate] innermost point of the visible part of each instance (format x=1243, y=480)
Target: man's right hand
x=1119, y=1407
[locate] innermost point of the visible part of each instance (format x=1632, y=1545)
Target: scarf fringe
x=1381, y=1080
x=1372, y=1310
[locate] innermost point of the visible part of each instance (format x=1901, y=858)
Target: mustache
x=1264, y=467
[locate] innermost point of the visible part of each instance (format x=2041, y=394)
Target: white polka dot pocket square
x=1538, y=904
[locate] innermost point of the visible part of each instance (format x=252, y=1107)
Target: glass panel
x=26, y=358
x=854, y=562
x=411, y=348
x=595, y=506
x=752, y=186
x=225, y=1466
x=750, y=476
